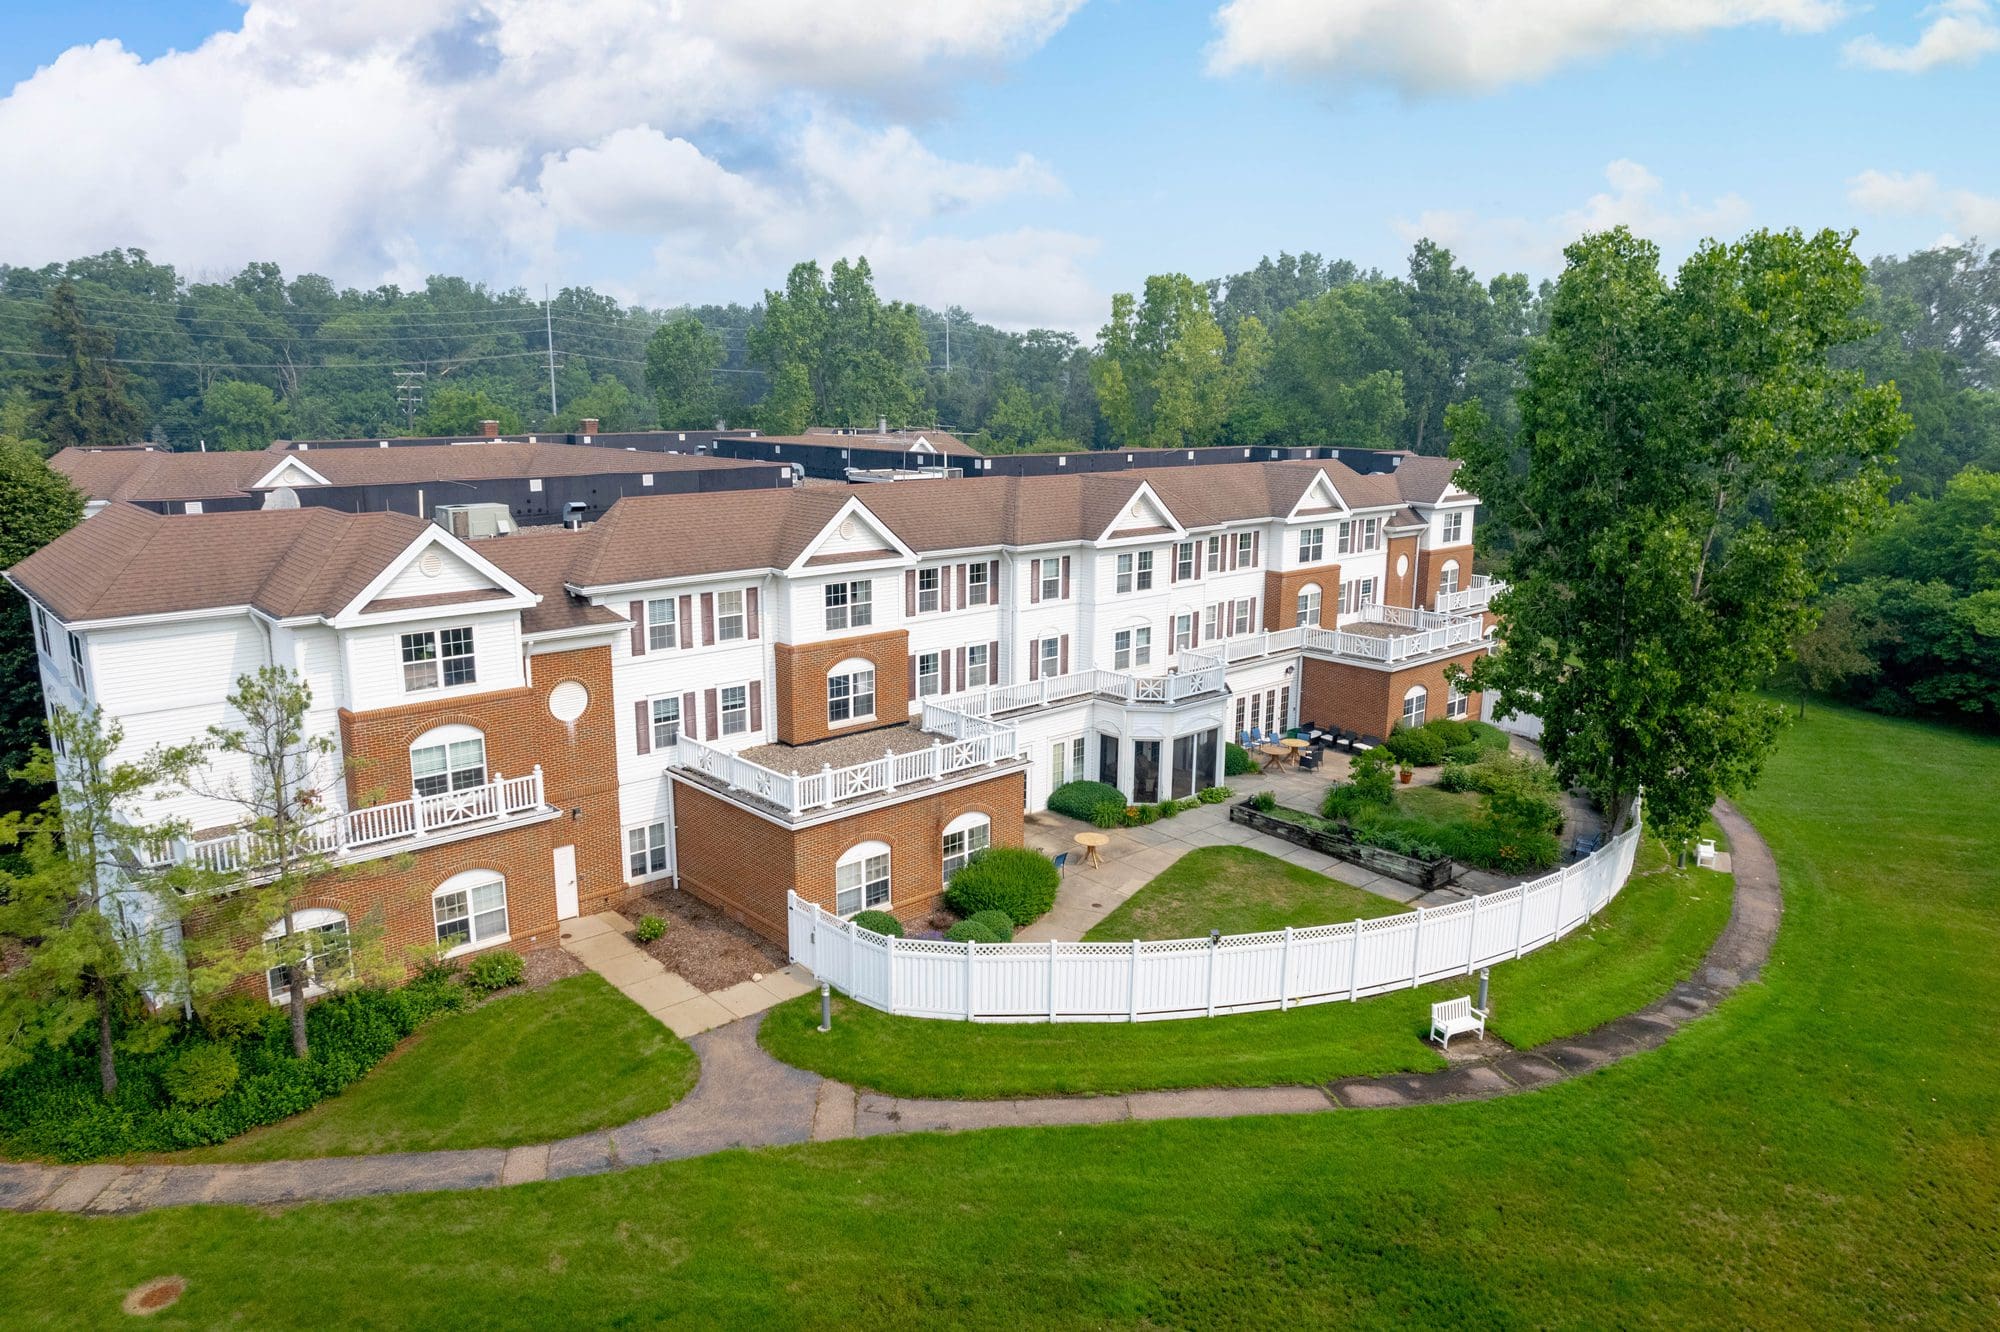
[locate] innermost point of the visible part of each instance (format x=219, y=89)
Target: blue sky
x=1023, y=158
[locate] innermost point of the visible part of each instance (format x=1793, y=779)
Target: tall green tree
x=1694, y=469
x=1164, y=372
x=462, y=411
x=239, y=415
x=80, y=398
x=835, y=349
x=37, y=505
x=1336, y=374
x=89, y=922
x=275, y=771
x=681, y=360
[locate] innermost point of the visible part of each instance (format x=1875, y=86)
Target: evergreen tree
x=37, y=505
x=80, y=398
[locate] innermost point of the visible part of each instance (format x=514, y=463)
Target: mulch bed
x=704, y=947
x=546, y=966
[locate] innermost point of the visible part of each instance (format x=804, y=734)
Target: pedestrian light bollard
x=1485, y=975
x=825, y=1006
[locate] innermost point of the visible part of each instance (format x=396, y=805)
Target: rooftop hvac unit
x=472, y=522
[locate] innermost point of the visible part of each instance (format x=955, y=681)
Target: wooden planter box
x=1340, y=844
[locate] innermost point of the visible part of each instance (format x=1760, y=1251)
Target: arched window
x=1309, y=601
x=448, y=758
x=471, y=910
x=965, y=837
x=1413, y=706
x=327, y=955
x=850, y=692
x=861, y=878
x=1448, y=578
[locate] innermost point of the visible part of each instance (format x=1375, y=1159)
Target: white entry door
x=565, y=882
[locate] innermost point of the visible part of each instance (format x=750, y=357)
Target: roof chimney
x=490, y=429
x=589, y=425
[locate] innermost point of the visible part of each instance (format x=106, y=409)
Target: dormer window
x=1454, y=529
x=1312, y=545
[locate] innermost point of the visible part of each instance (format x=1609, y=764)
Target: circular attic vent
x=430, y=564
x=568, y=700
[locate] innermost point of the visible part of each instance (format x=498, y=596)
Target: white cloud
x=1636, y=198
x=1918, y=194
x=1470, y=46
x=1030, y=278
x=379, y=140
x=1959, y=33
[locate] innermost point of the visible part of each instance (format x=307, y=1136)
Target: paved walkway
x=745, y=1098
x=604, y=944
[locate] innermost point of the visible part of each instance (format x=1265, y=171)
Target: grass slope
x=1824, y=1151
x=1650, y=936
x=1237, y=890
x=527, y=1067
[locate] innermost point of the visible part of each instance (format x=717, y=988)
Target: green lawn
x=1824, y=1151
x=528, y=1067
x=1236, y=890
x=1438, y=804
x=1650, y=936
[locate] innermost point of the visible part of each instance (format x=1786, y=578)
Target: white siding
x=454, y=575
x=374, y=659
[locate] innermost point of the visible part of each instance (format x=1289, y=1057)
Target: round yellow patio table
x=1297, y=747
x=1092, y=843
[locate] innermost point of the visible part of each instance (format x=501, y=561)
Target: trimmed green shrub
x=1214, y=795
x=200, y=1075
x=971, y=931
x=495, y=970
x=235, y=1017
x=1469, y=752
x=881, y=922
x=1455, y=777
x=1136, y=815
x=648, y=929
x=1263, y=802
x=1422, y=747
x=1080, y=800
x=1110, y=814
x=995, y=923
x=1013, y=879
x=1236, y=760
x=1166, y=809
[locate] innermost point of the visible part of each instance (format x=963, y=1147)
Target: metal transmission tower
x=410, y=394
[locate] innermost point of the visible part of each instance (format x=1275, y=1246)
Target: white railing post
x=1052, y=980
x=971, y=949
x=1132, y=995
x=1417, y=950
x=1521, y=923
x=417, y=811
x=892, y=972
x=1285, y=973
x=1354, y=966
x=1472, y=935
x=1213, y=949
x=826, y=784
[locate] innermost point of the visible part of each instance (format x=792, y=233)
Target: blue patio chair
x=1062, y=862
x=1243, y=739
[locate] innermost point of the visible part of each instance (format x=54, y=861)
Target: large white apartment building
x=834, y=690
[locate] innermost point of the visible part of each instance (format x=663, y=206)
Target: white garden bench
x=1455, y=1017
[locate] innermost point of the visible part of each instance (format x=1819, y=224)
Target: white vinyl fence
x=1177, y=978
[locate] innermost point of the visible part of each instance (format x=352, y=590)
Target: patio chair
x=1062, y=863
x=1309, y=760
x=1366, y=742
x=1245, y=739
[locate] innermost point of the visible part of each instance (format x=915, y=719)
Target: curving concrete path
x=745, y=1098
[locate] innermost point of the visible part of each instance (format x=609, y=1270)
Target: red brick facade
x=1370, y=701
x=745, y=863
x=1430, y=565
x=1398, y=587
x=1281, y=595
x=800, y=674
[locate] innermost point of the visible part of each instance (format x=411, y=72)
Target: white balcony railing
x=358, y=830
x=1199, y=674
x=1473, y=597
x=966, y=742
x=1428, y=632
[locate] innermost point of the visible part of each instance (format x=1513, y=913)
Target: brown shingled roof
x=669, y=536
x=540, y=559
x=286, y=562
